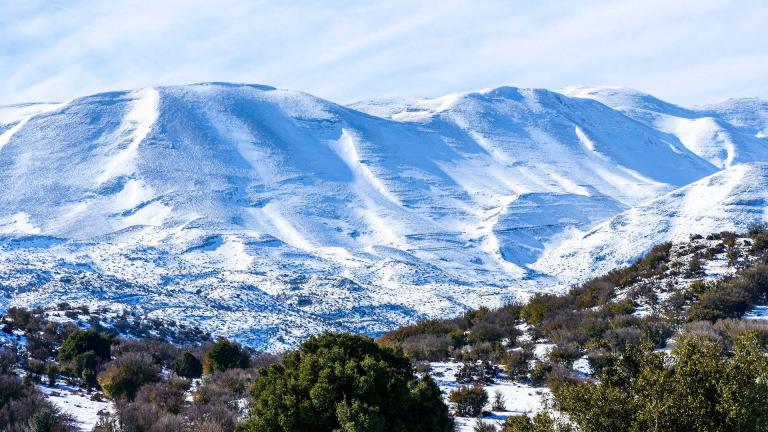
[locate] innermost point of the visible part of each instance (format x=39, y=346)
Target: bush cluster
x=469, y=400
x=147, y=377
x=480, y=334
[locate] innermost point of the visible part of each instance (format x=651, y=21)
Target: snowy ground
x=77, y=402
x=520, y=398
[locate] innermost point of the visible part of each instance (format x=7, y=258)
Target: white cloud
x=685, y=51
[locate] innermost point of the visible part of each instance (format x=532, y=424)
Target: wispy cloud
x=686, y=51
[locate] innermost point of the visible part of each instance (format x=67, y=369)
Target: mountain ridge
x=268, y=214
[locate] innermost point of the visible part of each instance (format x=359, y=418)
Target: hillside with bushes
x=621, y=351
x=617, y=353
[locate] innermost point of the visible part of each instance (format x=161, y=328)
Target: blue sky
x=684, y=51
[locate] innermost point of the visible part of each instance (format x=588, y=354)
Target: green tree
x=225, y=355
x=82, y=341
x=345, y=383
x=703, y=388
x=47, y=420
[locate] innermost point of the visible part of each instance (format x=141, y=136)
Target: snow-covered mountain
x=268, y=214
x=730, y=200
x=725, y=134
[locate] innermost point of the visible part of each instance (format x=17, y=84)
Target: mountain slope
x=268, y=214
x=735, y=131
x=730, y=200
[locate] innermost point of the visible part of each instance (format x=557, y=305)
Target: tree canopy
x=346, y=383
x=704, y=388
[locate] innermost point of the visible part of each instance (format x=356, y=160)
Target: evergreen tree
x=83, y=341
x=226, y=355
x=345, y=383
x=704, y=388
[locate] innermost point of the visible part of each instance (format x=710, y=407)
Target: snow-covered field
x=73, y=400
x=267, y=215
x=520, y=398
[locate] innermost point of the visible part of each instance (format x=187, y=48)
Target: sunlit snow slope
x=724, y=134
x=730, y=200
x=268, y=214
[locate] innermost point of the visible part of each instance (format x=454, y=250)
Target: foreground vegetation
x=666, y=350
x=333, y=382
x=149, y=370
x=714, y=377
x=338, y=382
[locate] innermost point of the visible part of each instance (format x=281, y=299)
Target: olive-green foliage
x=541, y=422
x=81, y=354
x=342, y=382
x=226, y=355
x=730, y=298
x=695, y=267
x=703, y=389
x=45, y=421
x=516, y=363
x=469, y=400
x=122, y=377
x=82, y=341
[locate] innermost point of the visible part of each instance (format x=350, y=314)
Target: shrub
x=698, y=287
x=427, y=347
x=342, y=382
x=565, y=354
x=541, y=306
x=427, y=327
x=481, y=426
x=82, y=341
x=162, y=352
x=732, y=329
x=188, y=366
x=137, y=416
x=725, y=301
x=516, y=363
x=24, y=408
x=624, y=307
x=469, y=400
x=51, y=371
x=225, y=355
x=539, y=372
x=695, y=267
x=50, y=419
x=486, y=332
x=657, y=331
x=167, y=397
x=755, y=280
x=541, y=422
x=733, y=255
x=619, y=338
x=122, y=377
x=593, y=293
x=600, y=359
x=759, y=244
x=499, y=403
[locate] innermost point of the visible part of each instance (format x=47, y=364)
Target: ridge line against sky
x=687, y=52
